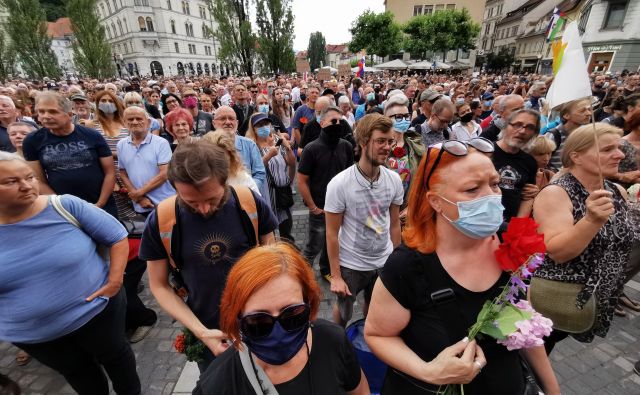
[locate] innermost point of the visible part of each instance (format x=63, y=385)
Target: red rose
x=178, y=344
x=304, y=120
x=521, y=240
x=399, y=152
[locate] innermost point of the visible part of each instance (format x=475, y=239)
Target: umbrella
x=396, y=64
x=428, y=65
x=331, y=69
x=367, y=69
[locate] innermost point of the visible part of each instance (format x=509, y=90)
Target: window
x=451, y=6
x=142, y=24
x=126, y=27
x=584, y=17
x=194, y=49
x=120, y=27
x=514, y=31
x=487, y=28
x=169, y=5
x=137, y=2
x=149, y=24
x=417, y=10
x=109, y=7
x=108, y=32
x=439, y=7
x=145, y=2
x=614, y=18
x=115, y=5
x=177, y=47
x=126, y=48
x=102, y=8
x=484, y=44
x=188, y=27
x=428, y=10
x=499, y=12
x=113, y=27
x=185, y=7
x=173, y=26
x=131, y=45
x=204, y=31
x=203, y=12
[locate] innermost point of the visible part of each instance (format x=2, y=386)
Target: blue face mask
x=371, y=96
x=318, y=118
x=263, y=131
x=488, y=103
x=478, y=218
x=401, y=126
x=279, y=346
x=459, y=102
x=500, y=123
x=263, y=108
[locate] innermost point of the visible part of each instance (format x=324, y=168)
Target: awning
x=529, y=65
x=396, y=64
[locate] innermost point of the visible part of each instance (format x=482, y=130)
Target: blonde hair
x=540, y=145
x=223, y=140
x=583, y=138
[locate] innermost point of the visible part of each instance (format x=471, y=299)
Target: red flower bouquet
x=520, y=242
x=188, y=344
x=304, y=120
x=399, y=152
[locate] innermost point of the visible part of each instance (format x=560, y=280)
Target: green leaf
x=506, y=322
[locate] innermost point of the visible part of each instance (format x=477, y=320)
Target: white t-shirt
x=364, y=237
x=242, y=178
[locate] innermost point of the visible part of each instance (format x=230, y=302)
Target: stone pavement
x=603, y=367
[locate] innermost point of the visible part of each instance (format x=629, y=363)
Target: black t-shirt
x=71, y=163
x=405, y=277
x=209, y=247
x=333, y=365
x=5, y=143
x=491, y=132
x=202, y=123
x=515, y=170
x=321, y=162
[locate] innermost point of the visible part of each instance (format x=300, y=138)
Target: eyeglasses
x=519, y=126
x=254, y=92
x=257, y=325
x=457, y=148
x=400, y=117
x=171, y=101
x=383, y=141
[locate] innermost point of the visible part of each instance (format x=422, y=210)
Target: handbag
x=134, y=225
x=556, y=300
x=283, y=194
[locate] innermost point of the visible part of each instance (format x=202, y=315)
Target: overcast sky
x=331, y=17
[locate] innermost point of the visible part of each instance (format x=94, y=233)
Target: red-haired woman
x=268, y=311
x=432, y=288
x=179, y=123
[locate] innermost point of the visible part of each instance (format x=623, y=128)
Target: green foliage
x=316, y=50
x=26, y=25
x=54, y=9
x=440, y=32
x=237, y=41
x=275, y=35
x=501, y=60
x=7, y=60
x=91, y=51
x=501, y=319
x=378, y=34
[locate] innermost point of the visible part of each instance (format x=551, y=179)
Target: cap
x=78, y=97
x=52, y=85
x=429, y=94
x=259, y=118
x=328, y=91
x=487, y=96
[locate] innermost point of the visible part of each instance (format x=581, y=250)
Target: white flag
x=571, y=80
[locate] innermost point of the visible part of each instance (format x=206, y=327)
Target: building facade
x=160, y=37
x=517, y=21
x=494, y=11
x=61, y=44
x=611, y=34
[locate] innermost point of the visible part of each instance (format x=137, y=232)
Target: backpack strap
x=166, y=215
x=56, y=203
x=248, y=210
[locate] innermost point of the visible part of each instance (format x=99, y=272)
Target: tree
x=501, y=60
x=316, y=50
x=378, y=34
x=7, y=65
x=27, y=29
x=237, y=41
x=440, y=32
x=275, y=35
x=54, y=9
x=91, y=51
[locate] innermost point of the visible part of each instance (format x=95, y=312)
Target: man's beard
x=212, y=210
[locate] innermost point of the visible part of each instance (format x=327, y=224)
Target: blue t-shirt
x=303, y=112
x=49, y=267
x=71, y=163
x=209, y=247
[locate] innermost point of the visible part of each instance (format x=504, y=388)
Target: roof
x=519, y=12
x=301, y=55
x=336, y=48
x=59, y=28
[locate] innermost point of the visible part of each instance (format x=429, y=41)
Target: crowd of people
x=408, y=179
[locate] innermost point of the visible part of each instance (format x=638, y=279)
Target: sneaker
x=327, y=277
x=140, y=333
x=636, y=367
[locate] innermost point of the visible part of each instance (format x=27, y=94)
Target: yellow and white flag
x=571, y=79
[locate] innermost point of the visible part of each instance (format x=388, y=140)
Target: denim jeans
x=317, y=243
x=80, y=355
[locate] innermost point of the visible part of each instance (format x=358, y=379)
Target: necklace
x=367, y=178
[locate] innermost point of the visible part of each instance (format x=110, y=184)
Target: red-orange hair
x=420, y=232
x=256, y=268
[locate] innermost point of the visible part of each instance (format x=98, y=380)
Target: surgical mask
x=190, y=102
x=478, y=218
x=287, y=97
x=318, y=118
x=107, y=108
x=488, y=103
x=500, y=123
x=371, y=96
x=263, y=131
x=263, y=108
x=401, y=126
x=279, y=346
x=466, y=118
x=459, y=102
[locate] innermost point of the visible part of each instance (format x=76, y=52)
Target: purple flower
x=529, y=333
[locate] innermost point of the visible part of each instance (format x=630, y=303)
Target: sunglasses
x=257, y=325
x=457, y=148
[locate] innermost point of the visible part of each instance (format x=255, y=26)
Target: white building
x=514, y=24
x=61, y=38
x=494, y=11
x=160, y=37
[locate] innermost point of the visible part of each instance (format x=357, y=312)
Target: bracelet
x=313, y=209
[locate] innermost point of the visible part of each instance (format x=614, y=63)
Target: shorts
x=357, y=281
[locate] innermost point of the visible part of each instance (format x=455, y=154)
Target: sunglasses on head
x=257, y=325
x=457, y=148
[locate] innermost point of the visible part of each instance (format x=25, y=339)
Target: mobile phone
x=279, y=143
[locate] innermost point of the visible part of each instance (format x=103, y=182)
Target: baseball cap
x=259, y=118
x=78, y=97
x=487, y=96
x=430, y=95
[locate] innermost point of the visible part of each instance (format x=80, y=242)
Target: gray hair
x=8, y=100
x=20, y=123
x=10, y=156
x=327, y=110
x=504, y=100
x=398, y=100
x=442, y=104
x=528, y=111
x=64, y=103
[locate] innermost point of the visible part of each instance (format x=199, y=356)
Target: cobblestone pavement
x=602, y=367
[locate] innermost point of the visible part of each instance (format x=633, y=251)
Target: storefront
x=613, y=56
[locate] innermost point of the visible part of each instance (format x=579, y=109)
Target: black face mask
x=332, y=133
x=303, y=96
x=466, y=118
